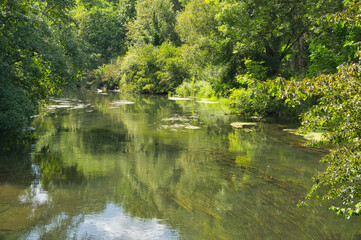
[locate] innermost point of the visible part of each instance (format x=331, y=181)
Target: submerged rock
x=173, y=126
x=121, y=102
x=191, y=127
x=176, y=118
x=207, y=102
x=313, y=136
x=176, y=126
x=51, y=107
x=80, y=106
x=243, y=124
x=179, y=99
x=68, y=103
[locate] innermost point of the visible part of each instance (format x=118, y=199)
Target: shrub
x=246, y=101
x=338, y=109
x=200, y=89
x=104, y=76
x=150, y=69
x=15, y=111
x=138, y=69
x=261, y=98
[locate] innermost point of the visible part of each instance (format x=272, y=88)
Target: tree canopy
x=39, y=53
x=338, y=111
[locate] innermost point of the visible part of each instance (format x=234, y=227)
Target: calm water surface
x=133, y=167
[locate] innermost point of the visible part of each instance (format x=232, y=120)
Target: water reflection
x=16, y=165
x=98, y=140
x=35, y=195
x=53, y=171
x=117, y=173
x=112, y=223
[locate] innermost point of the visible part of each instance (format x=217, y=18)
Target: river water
x=113, y=166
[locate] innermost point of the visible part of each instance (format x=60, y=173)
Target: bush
x=247, y=102
x=260, y=98
x=200, y=89
x=15, y=111
x=104, y=76
x=138, y=69
x=150, y=69
x=338, y=109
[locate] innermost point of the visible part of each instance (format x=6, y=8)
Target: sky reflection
x=113, y=223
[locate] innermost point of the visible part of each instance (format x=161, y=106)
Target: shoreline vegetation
x=284, y=59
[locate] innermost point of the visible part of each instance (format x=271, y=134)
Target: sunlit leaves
x=151, y=69
x=338, y=102
x=196, y=24
x=154, y=23
x=38, y=52
x=264, y=30
x=103, y=27
x=338, y=110
x=342, y=180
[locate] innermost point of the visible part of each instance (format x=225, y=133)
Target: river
x=120, y=166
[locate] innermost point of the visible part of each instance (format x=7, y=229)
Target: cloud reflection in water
x=113, y=223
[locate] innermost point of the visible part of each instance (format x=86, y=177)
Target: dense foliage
x=39, y=53
x=102, y=27
x=338, y=111
x=221, y=41
x=150, y=69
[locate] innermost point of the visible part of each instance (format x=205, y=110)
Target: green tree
x=151, y=69
x=197, y=28
x=267, y=31
x=39, y=53
x=103, y=26
x=332, y=44
x=154, y=24
x=338, y=111
x=201, y=51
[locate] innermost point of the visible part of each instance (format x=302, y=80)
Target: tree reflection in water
x=116, y=172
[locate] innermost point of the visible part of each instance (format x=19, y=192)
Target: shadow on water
x=99, y=140
x=53, y=171
x=16, y=165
